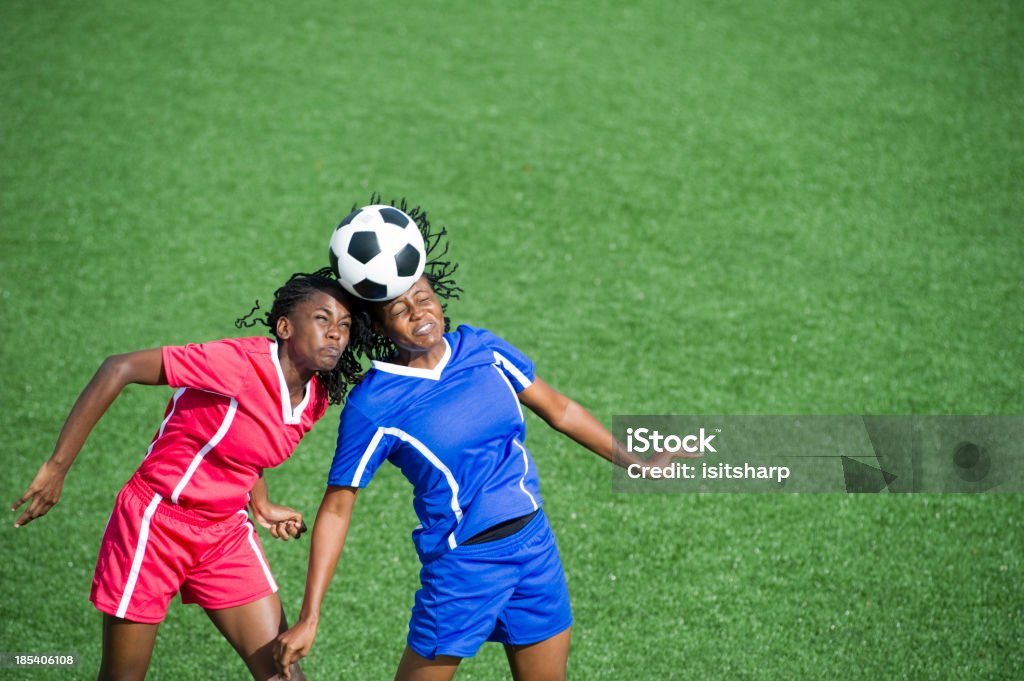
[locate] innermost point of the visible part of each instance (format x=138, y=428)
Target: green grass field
x=674, y=207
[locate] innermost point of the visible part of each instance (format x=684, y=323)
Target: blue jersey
x=456, y=432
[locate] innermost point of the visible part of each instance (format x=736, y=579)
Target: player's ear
x=284, y=327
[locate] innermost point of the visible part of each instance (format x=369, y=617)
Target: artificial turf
x=693, y=207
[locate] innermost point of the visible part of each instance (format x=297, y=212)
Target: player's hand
x=292, y=646
x=289, y=529
x=44, y=492
x=663, y=458
x=282, y=522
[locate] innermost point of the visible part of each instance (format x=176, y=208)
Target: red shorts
x=153, y=549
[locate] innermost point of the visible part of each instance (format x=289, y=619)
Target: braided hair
x=299, y=288
x=438, y=271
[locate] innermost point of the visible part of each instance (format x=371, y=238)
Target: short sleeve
x=362, y=448
x=220, y=366
x=513, y=363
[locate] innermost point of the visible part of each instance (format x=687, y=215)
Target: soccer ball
x=377, y=252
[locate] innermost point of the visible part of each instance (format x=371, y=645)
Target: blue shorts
x=512, y=591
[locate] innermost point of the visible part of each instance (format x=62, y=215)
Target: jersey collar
x=288, y=415
x=431, y=374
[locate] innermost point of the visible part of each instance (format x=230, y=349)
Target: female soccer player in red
x=179, y=525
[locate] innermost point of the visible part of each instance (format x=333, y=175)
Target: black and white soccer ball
x=377, y=252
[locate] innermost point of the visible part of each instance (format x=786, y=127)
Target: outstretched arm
x=570, y=418
x=329, y=531
x=145, y=367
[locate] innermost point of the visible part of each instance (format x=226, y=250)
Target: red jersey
x=230, y=418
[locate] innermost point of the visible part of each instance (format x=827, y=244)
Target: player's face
x=316, y=331
x=413, y=321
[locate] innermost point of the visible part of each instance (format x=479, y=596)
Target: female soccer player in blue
x=446, y=409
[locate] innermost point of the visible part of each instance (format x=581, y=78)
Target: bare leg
x=127, y=649
x=251, y=629
x=415, y=667
x=544, y=661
